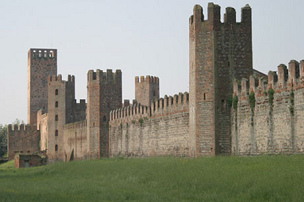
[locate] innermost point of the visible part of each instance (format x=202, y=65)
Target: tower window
x=204, y=96
x=56, y=104
x=56, y=117
x=56, y=147
x=56, y=133
x=56, y=92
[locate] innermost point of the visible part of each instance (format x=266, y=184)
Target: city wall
x=22, y=139
x=268, y=116
x=159, y=130
x=75, y=140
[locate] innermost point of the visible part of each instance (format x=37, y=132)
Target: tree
x=3, y=140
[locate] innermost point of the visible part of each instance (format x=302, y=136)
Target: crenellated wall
x=22, y=139
x=269, y=115
x=159, y=130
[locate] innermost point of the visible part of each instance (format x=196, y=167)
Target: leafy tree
x=3, y=140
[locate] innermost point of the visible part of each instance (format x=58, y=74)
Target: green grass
x=263, y=178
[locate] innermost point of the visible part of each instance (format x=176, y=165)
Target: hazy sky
x=138, y=37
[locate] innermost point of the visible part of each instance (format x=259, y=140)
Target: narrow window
x=56, y=117
x=56, y=133
x=56, y=104
x=56, y=92
x=204, y=96
x=56, y=147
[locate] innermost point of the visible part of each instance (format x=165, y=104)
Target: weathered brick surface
x=272, y=128
x=41, y=64
x=29, y=160
x=63, y=93
x=159, y=130
x=75, y=141
x=104, y=95
x=42, y=126
x=146, y=90
x=22, y=139
x=219, y=52
x=196, y=124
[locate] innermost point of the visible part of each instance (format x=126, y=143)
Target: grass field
x=263, y=178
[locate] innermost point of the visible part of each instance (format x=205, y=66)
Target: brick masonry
x=22, y=139
x=159, y=130
x=219, y=52
x=41, y=64
x=274, y=125
x=146, y=89
x=29, y=160
x=207, y=121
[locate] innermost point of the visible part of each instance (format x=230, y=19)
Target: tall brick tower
x=61, y=96
x=104, y=95
x=41, y=64
x=219, y=52
x=146, y=90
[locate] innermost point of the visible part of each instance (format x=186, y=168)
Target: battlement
x=20, y=129
x=161, y=107
x=285, y=79
x=43, y=53
x=170, y=104
x=147, y=79
x=54, y=78
x=214, y=15
x=82, y=102
x=105, y=77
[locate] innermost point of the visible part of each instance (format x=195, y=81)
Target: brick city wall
x=159, y=130
x=75, y=140
x=274, y=122
x=22, y=139
x=42, y=120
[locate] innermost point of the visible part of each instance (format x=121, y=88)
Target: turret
x=146, y=90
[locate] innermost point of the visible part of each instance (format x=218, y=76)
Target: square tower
x=104, y=95
x=41, y=64
x=146, y=90
x=219, y=53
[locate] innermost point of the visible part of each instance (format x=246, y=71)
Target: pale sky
x=139, y=37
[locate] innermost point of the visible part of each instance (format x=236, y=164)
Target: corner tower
x=146, y=90
x=41, y=64
x=219, y=52
x=104, y=95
